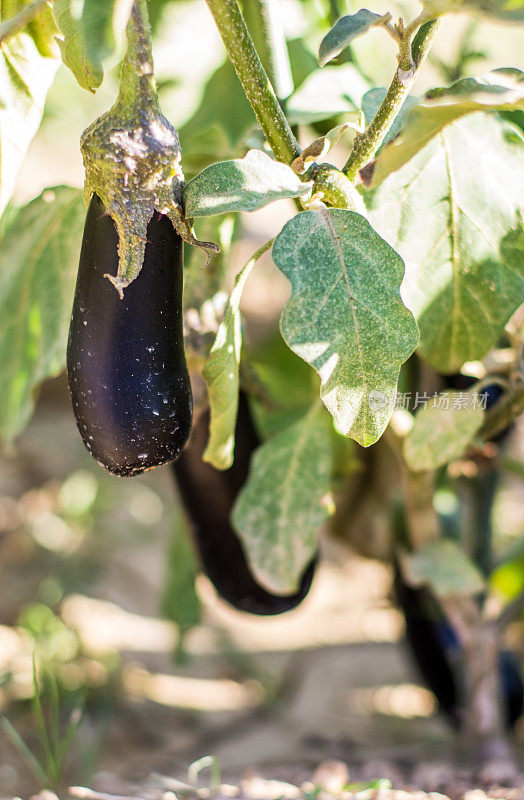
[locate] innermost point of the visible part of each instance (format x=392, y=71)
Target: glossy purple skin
x=125, y=357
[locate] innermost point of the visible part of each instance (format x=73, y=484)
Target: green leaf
x=88, y=72
x=344, y=31
x=288, y=385
x=38, y=264
x=445, y=568
x=502, y=89
x=327, y=93
x=102, y=25
x=285, y=501
x=345, y=316
x=221, y=374
x=25, y=78
x=243, y=184
x=220, y=123
x=442, y=430
x=508, y=10
x=371, y=103
x=42, y=30
x=180, y=602
x=453, y=214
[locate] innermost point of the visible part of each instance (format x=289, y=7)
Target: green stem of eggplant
x=137, y=87
x=253, y=77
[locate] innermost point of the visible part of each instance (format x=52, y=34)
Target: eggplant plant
x=391, y=385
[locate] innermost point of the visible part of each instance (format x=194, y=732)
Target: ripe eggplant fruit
x=208, y=496
x=492, y=392
x=436, y=652
x=125, y=357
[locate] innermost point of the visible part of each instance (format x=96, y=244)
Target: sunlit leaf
x=25, y=78
x=453, y=214
x=345, y=316
x=502, y=89
x=221, y=375
x=344, y=31
x=243, y=184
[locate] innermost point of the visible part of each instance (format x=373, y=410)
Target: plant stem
x=137, y=87
x=253, y=77
x=367, y=143
x=264, y=22
x=23, y=18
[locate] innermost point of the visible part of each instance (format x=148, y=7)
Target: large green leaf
x=243, y=184
x=344, y=31
x=38, y=263
x=25, y=78
x=285, y=501
x=453, y=214
x=345, y=316
x=221, y=374
x=500, y=90
x=442, y=430
x=73, y=46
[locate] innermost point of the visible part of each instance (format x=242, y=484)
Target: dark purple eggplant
x=437, y=654
x=125, y=357
x=208, y=496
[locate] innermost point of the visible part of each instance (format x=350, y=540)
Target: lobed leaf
x=442, y=430
x=345, y=316
x=221, y=374
x=286, y=499
x=38, y=264
x=344, y=31
x=453, y=214
x=502, y=89
x=243, y=184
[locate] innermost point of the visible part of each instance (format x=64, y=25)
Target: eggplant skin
x=126, y=364
x=436, y=652
x=208, y=496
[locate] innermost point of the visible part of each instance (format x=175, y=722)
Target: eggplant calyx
x=132, y=157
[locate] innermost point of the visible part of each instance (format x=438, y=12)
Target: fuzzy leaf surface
x=345, y=316
x=38, y=265
x=343, y=32
x=445, y=568
x=286, y=499
x=500, y=90
x=221, y=375
x=453, y=214
x=243, y=184
x=442, y=430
